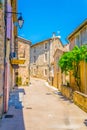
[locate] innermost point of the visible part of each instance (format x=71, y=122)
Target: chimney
x=59, y=34
x=54, y=35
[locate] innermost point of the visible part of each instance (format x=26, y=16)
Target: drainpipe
x=5, y=19
x=5, y=37
x=49, y=62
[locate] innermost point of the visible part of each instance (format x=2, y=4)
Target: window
x=45, y=45
x=34, y=71
x=45, y=56
x=52, y=71
x=57, y=66
x=84, y=36
x=22, y=54
x=34, y=49
x=16, y=73
x=77, y=41
x=34, y=59
x=45, y=72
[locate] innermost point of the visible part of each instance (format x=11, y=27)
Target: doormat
x=8, y=116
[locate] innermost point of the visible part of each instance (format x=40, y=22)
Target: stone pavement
x=41, y=107
x=13, y=119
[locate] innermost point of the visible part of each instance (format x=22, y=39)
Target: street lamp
x=20, y=20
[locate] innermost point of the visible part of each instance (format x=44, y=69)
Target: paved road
x=47, y=109
x=39, y=107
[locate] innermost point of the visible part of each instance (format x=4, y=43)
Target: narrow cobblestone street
x=39, y=107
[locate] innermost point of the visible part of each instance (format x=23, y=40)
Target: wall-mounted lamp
x=20, y=20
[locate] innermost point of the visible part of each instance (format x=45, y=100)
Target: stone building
x=79, y=37
x=42, y=60
x=8, y=34
x=24, y=61
x=58, y=76
x=9, y=61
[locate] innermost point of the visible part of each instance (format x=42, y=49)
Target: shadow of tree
x=85, y=122
x=62, y=97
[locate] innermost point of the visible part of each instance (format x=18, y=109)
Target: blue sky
x=43, y=17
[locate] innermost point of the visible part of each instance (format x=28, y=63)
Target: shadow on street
x=13, y=119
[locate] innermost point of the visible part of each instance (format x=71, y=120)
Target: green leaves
x=65, y=62
x=70, y=61
x=83, y=50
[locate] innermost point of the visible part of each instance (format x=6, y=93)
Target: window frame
x=45, y=72
x=45, y=57
x=45, y=46
x=34, y=59
x=34, y=49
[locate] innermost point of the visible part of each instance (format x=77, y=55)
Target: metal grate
x=8, y=116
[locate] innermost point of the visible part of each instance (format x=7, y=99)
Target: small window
x=34, y=59
x=34, y=49
x=16, y=73
x=45, y=56
x=22, y=54
x=45, y=45
x=45, y=72
x=84, y=36
x=34, y=71
x=77, y=40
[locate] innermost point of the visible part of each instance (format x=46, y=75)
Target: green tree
x=71, y=60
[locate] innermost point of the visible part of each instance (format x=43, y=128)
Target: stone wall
x=1, y=57
x=57, y=80
x=40, y=65
x=83, y=78
x=80, y=100
x=66, y=91
x=24, y=54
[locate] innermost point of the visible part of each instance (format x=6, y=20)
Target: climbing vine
x=70, y=61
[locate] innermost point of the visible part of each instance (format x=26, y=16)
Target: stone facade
x=58, y=76
x=42, y=60
x=9, y=40
x=24, y=54
x=79, y=37
x=80, y=100
x=39, y=63
x=1, y=57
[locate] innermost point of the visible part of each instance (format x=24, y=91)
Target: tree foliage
x=70, y=61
